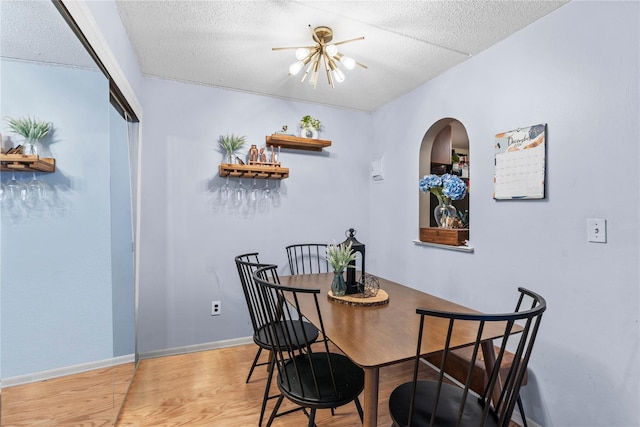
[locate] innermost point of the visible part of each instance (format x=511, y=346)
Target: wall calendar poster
x=520, y=163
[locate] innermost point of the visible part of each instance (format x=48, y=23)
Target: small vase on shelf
x=338, y=285
x=30, y=147
x=445, y=213
x=229, y=158
x=310, y=133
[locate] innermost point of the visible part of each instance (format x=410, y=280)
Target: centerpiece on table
x=231, y=144
x=309, y=127
x=339, y=257
x=33, y=130
x=446, y=188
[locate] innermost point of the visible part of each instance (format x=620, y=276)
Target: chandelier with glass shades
x=323, y=52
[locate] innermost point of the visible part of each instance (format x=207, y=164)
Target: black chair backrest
x=308, y=258
x=519, y=330
x=296, y=368
x=247, y=264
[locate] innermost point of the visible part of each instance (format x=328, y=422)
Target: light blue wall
x=56, y=269
x=576, y=70
x=187, y=246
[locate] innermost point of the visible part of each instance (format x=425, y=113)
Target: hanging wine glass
x=254, y=194
x=265, y=194
x=275, y=196
x=13, y=189
x=239, y=195
x=36, y=197
x=11, y=203
x=226, y=192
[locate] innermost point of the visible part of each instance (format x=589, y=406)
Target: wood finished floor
x=88, y=399
x=208, y=389
x=197, y=389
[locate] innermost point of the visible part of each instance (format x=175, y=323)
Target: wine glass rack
x=24, y=163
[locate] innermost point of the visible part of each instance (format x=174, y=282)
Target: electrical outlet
x=216, y=308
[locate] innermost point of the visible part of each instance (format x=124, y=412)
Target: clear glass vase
x=30, y=147
x=338, y=285
x=229, y=158
x=445, y=213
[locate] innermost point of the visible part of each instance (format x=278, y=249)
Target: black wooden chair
x=441, y=403
x=247, y=264
x=310, y=379
x=308, y=258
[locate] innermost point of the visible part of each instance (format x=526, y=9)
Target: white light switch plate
x=597, y=230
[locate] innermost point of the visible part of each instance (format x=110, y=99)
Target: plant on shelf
x=231, y=144
x=310, y=127
x=32, y=129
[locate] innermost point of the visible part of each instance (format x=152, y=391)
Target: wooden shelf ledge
x=295, y=142
x=23, y=163
x=253, y=171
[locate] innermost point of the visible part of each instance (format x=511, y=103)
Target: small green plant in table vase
x=231, y=144
x=32, y=129
x=339, y=257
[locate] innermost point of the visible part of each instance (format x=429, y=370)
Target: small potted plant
x=339, y=257
x=33, y=130
x=310, y=127
x=231, y=144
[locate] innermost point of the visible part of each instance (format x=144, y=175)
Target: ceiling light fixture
x=323, y=51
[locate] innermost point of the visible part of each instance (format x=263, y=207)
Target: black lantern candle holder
x=353, y=285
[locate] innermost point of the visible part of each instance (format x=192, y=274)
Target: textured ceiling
x=228, y=43
x=35, y=31
x=406, y=43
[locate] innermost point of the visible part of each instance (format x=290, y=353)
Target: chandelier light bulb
x=349, y=63
x=331, y=50
x=302, y=53
x=296, y=67
x=338, y=75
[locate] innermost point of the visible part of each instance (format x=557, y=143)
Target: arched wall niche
x=443, y=136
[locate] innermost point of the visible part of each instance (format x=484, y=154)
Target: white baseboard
x=196, y=347
x=67, y=370
x=532, y=423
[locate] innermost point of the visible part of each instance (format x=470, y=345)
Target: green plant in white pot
x=231, y=144
x=32, y=129
x=310, y=126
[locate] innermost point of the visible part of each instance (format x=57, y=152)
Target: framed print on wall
x=520, y=163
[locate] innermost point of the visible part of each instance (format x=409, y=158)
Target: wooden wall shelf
x=253, y=171
x=22, y=163
x=295, y=142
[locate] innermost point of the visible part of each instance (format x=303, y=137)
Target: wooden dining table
x=381, y=335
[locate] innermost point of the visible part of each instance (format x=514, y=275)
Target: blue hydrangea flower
x=430, y=181
x=453, y=187
x=446, y=187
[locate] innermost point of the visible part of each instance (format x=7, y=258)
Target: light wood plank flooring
x=208, y=389
x=197, y=389
x=90, y=398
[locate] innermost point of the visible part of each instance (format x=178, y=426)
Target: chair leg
x=275, y=410
x=522, y=415
x=312, y=417
x=359, y=408
x=255, y=362
x=267, y=388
